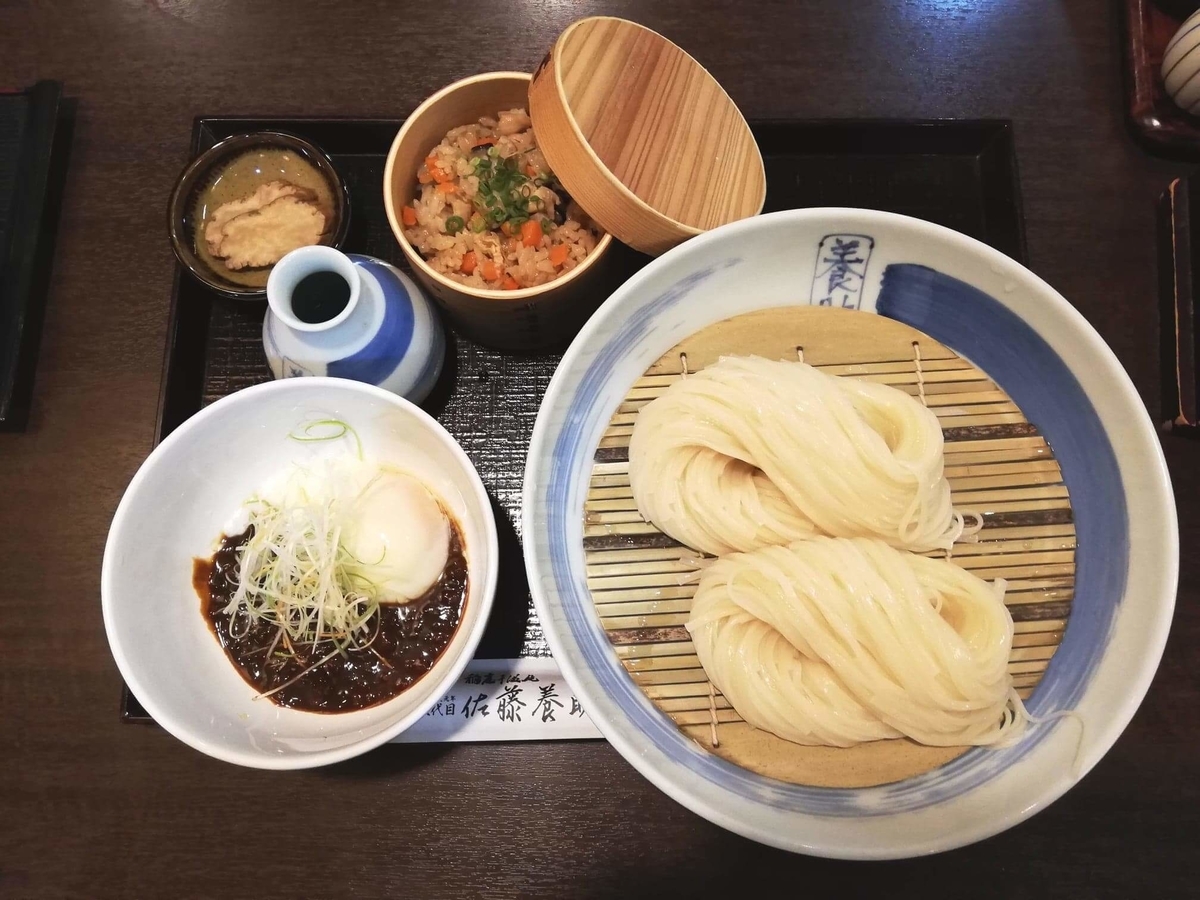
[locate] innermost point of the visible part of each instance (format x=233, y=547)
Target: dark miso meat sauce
x=412, y=636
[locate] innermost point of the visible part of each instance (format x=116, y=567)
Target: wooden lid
x=642, y=136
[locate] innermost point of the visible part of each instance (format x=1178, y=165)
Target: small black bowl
x=181, y=220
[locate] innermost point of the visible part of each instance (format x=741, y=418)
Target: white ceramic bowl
x=174, y=510
x=1055, y=367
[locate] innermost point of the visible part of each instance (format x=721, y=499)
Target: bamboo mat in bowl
x=999, y=466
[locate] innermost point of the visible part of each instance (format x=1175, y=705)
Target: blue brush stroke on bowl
x=992, y=336
x=380, y=356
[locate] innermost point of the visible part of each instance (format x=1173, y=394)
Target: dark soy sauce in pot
x=319, y=297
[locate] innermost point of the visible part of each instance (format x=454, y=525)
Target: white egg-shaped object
x=1181, y=65
x=400, y=535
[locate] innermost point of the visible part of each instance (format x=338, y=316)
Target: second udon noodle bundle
x=837, y=641
x=750, y=453
x=818, y=623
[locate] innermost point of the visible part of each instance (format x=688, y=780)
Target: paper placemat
x=505, y=700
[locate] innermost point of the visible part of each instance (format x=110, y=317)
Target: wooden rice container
x=998, y=465
x=525, y=319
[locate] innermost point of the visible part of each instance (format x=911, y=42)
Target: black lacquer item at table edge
x=38, y=162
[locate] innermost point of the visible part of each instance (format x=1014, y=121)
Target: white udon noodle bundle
x=751, y=453
x=835, y=641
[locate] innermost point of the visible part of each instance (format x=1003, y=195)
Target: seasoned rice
x=491, y=214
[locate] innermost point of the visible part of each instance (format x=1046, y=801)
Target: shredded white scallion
x=293, y=573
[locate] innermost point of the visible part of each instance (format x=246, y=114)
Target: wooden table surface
x=92, y=808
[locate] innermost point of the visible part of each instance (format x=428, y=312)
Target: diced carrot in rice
x=531, y=233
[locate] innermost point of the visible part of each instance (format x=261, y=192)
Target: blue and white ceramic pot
x=387, y=334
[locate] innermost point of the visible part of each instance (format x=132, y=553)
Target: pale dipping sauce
x=240, y=178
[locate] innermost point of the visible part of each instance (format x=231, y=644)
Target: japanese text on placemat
x=510, y=698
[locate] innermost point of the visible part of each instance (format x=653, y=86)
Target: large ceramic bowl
x=174, y=510
x=1055, y=367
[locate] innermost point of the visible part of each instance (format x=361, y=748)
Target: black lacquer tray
x=961, y=174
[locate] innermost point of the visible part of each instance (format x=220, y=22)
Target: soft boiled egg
x=399, y=534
